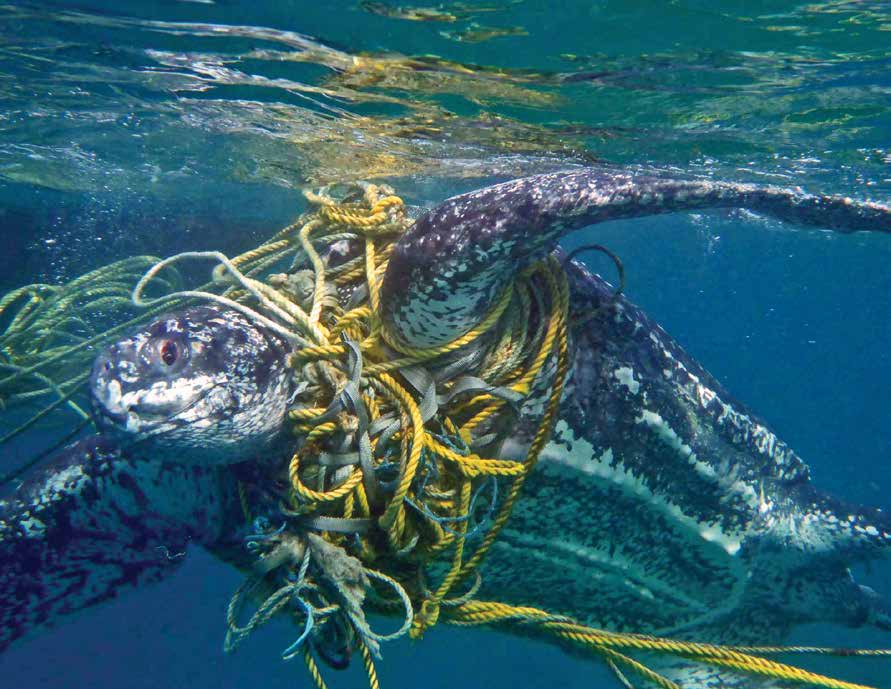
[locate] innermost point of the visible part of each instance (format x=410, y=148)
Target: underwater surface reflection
x=151, y=128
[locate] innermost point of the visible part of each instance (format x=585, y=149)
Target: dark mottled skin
x=92, y=524
x=661, y=504
x=112, y=512
x=609, y=527
x=451, y=264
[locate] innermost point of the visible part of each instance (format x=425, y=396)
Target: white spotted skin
x=625, y=376
x=91, y=524
x=662, y=505
x=445, y=272
x=221, y=398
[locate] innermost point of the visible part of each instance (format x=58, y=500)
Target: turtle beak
x=106, y=387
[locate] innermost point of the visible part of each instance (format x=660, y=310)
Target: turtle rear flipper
x=690, y=674
x=764, y=618
x=878, y=609
x=819, y=538
x=819, y=524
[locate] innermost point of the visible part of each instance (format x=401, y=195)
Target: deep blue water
x=120, y=137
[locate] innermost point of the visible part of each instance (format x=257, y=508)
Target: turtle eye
x=169, y=352
x=166, y=352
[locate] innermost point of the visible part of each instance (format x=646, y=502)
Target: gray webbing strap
x=336, y=524
x=352, y=399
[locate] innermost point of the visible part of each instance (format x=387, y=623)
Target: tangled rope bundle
x=388, y=468
x=392, y=499
x=391, y=476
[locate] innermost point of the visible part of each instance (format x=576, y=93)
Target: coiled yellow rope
x=520, y=360
x=418, y=527
x=362, y=409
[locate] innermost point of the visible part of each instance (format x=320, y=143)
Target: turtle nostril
x=107, y=366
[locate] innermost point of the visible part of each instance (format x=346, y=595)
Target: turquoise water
x=133, y=127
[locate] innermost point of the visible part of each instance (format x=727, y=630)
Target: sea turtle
x=659, y=505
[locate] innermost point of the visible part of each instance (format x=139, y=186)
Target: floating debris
x=477, y=33
x=414, y=14
x=443, y=12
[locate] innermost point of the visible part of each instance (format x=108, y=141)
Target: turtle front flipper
x=448, y=269
x=92, y=524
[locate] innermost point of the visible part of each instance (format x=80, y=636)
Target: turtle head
x=205, y=385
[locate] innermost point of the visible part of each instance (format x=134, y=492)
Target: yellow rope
x=374, y=297
x=473, y=465
x=318, y=266
x=313, y=668
x=641, y=669
x=261, y=251
x=370, y=671
x=555, y=335
x=525, y=350
x=475, y=613
x=420, y=520
x=768, y=668
x=429, y=613
x=320, y=496
x=321, y=431
x=357, y=315
x=424, y=353
x=395, y=510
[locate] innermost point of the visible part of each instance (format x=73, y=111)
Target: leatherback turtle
x=660, y=504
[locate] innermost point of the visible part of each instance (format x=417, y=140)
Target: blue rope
x=255, y=541
x=442, y=521
x=291, y=650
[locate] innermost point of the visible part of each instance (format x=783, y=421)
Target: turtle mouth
x=106, y=419
x=126, y=400
x=135, y=417
x=141, y=418
x=120, y=411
